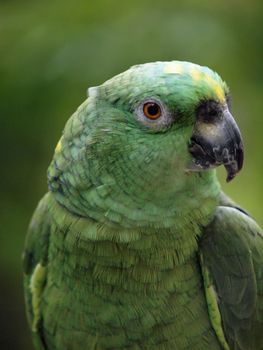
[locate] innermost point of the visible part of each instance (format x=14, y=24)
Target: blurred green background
x=52, y=51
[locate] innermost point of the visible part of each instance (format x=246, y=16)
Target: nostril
x=209, y=112
x=210, y=117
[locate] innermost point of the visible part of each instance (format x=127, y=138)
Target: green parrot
x=135, y=246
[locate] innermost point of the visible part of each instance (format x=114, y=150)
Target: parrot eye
x=153, y=114
x=152, y=110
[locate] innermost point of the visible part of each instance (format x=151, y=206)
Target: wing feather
x=35, y=259
x=232, y=252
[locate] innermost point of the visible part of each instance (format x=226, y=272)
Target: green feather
x=112, y=254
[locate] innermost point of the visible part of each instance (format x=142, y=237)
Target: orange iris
x=152, y=110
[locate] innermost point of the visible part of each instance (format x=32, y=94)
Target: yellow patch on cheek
x=173, y=68
x=58, y=146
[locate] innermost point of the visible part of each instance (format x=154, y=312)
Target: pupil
x=153, y=109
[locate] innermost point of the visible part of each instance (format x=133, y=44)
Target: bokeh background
x=51, y=51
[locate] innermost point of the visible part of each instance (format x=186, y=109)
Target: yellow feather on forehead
x=215, y=87
x=195, y=74
x=198, y=76
x=173, y=68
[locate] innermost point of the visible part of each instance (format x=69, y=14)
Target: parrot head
x=148, y=138
x=175, y=96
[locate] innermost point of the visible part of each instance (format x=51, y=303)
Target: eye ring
x=152, y=110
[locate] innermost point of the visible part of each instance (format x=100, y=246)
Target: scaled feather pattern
x=135, y=246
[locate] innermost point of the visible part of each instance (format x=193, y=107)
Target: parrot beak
x=216, y=140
